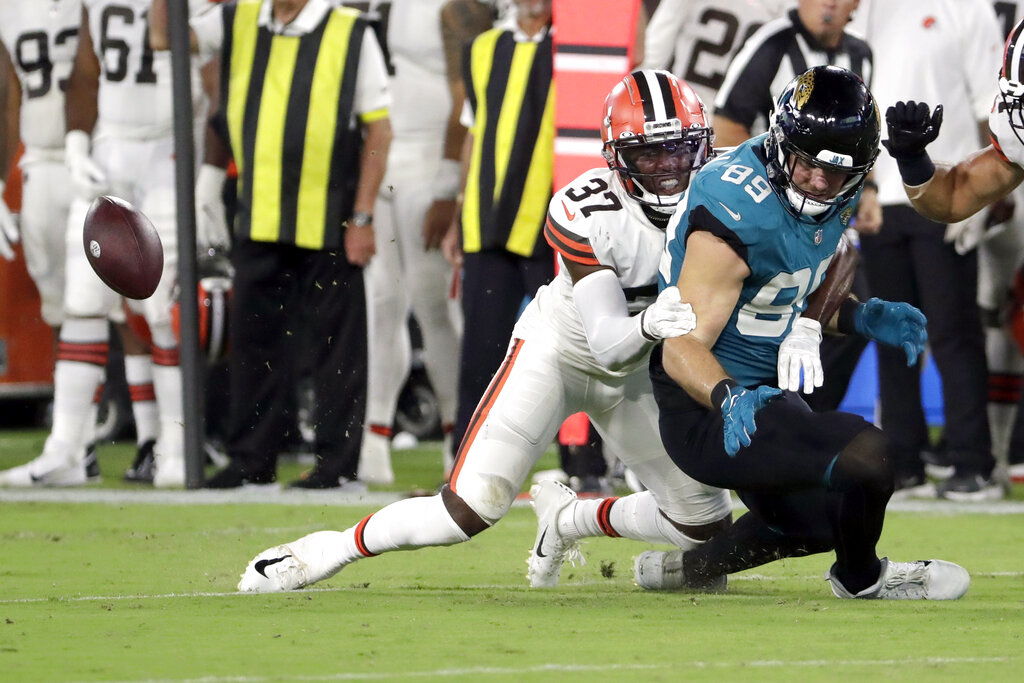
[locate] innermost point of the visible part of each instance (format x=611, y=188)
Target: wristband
x=361, y=219
x=846, y=317
x=721, y=391
x=916, y=170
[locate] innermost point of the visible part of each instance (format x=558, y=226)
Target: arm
x=711, y=279
x=461, y=21
x=662, y=32
x=83, y=84
x=451, y=244
x=10, y=101
x=942, y=192
x=359, y=242
x=159, y=39
x=729, y=133
x=615, y=337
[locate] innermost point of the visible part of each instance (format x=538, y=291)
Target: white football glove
x=8, y=228
x=211, y=219
x=799, y=352
x=89, y=179
x=668, y=316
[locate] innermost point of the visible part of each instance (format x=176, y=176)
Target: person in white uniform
x=577, y=347
x=42, y=40
x=404, y=274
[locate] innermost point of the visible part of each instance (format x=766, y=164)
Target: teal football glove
x=738, y=409
x=894, y=324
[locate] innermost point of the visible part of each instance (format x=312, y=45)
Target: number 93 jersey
x=731, y=198
x=593, y=222
x=41, y=38
x=135, y=98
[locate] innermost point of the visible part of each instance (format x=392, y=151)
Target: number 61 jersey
x=134, y=98
x=593, y=222
x=731, y=198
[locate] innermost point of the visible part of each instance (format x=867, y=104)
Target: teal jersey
x=731, y=198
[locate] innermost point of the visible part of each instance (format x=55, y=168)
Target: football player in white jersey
x=949, y=193
x=119, y=117
x=404, y=273
x=696, y=39
x=577, y=347
x=42, y=39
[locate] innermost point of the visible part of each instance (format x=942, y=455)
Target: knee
x=469, y=521
x=865, y=464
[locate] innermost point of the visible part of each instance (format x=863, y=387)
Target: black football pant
x=292, y=309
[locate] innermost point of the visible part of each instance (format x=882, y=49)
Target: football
x=123, y=247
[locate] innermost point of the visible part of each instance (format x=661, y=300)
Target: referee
x=508, y=163
x=304, y=92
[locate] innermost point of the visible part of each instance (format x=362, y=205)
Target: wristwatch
x=361, y=219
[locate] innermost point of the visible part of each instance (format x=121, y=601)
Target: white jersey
x=42, y=38
x=135, y=98
x=419, y=86
x=593, y=221
x=1003, y=136
x=698, y=38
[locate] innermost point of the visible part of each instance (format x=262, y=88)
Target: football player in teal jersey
x=751, y=240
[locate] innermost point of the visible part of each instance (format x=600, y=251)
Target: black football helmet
x=215, y=276
x=826, y=117
x=1011, y=80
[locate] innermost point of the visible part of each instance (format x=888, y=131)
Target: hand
x=435, y=225
x=89, y=179
x=667, y=317
x=451, y=245
x=359, y=244
x=911, y=129
x=799, y=352
x=893, y=324
x=8, y=228
x=211, y=219
x=738, y=410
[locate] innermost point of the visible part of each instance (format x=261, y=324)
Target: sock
x=1005, y=365
x=635, y=516
x=167, y=388
x=403, y=525
x=80, y=368
x=138, y=371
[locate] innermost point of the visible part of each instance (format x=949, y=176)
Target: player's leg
x=513, y=425
x=156, y=199
x=46, y=198
x=428, y=279
x=675, y=509
x=390, y=353
x=138, y=371
x=82, y=352
x=998, y=259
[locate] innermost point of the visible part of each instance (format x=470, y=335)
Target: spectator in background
x=310, y=156
x=508, y=175
x=696, y=39
x=812, y=34
x=943, y=52
x=407, y=272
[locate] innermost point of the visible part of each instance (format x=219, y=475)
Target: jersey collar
x=309, y=18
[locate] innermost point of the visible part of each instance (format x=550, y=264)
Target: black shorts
x=782, y=473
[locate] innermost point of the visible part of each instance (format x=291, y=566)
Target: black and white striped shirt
x=771, y=58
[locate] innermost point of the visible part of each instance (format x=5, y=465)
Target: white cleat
x=169, y=461
x=551, y=549
x=920, y=580
x=658, y=570
x=56, y=467
x=375, y=460
x=274, y=571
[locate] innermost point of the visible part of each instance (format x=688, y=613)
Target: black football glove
x=911, y=129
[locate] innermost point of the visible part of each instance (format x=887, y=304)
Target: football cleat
x=55, y=467
x=921, y=580
x=92, y=464
x=550, y=549
x=375, y=460
x=274, y=571
x=658, y=570
x=142, y=468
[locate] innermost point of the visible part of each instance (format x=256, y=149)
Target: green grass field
x=132, y=590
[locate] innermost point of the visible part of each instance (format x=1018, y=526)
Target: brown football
x=123, y=247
